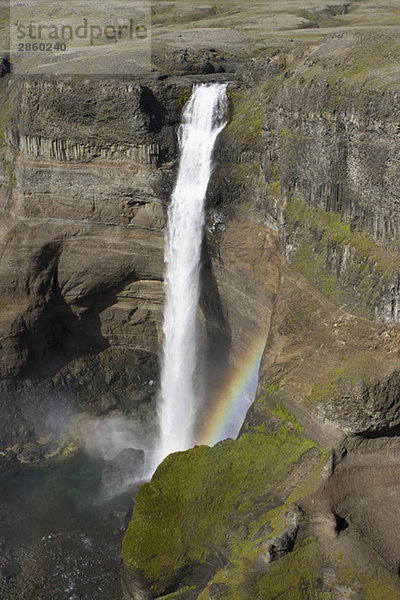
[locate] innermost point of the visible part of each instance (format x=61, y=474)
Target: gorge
x=299, y=266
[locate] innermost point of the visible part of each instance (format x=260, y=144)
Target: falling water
x=203, y=119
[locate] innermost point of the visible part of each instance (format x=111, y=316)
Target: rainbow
x=232, y=401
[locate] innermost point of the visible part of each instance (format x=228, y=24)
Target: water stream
x=203, y=119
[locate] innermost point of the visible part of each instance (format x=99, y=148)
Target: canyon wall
x=87, y=171
x=87, y=166
x=300, y=248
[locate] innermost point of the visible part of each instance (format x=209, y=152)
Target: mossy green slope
x=300, y=576
x=217, y=509
x=212, y=502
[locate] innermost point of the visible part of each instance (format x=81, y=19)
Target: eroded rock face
x=311, y=149
x=240, y=281
x=339, y=375
x=364, y=489
x=341, y=369
x=82, y=242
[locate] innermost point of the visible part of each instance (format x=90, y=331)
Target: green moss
x=365, y=64
x=224, y=502
x=247, y=173
x=358, y=371
x=379, y=587
x=318, y=232
x=371, y=63
x=376, y=586
x=284, y=415
x=295, y=576
x=276, y=188
x=348, y=572
x=334, y=230
x=195, y=497
x=235, y=581
x=247, y=117
x=323, y=391
x=184, y=96
x=273, y=387
x=210, y=498
x=285, y=133
x=312, y=265
x=309, y=485
x=267, y=398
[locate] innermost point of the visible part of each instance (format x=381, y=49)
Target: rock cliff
x=86, y=169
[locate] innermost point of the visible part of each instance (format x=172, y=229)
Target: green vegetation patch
x=273, y=387
x=247, y=117
x=379, y=587
x=375, y=585
x=318, y=235
x=284, y=415
x=290, y=137
x=296, y=576
x=241, y=575
x=247, y=173
x=202, y=499
x=370, y=64
x=179, y=593
x=276, y=188
x=184, y=96
x=358, y=372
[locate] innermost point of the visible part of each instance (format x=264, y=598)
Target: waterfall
x=203, y=118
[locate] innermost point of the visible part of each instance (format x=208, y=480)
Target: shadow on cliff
x=152, y=107
x=217, y=342
x=50, y=334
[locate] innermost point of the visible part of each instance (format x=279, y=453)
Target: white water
x=203, y=119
